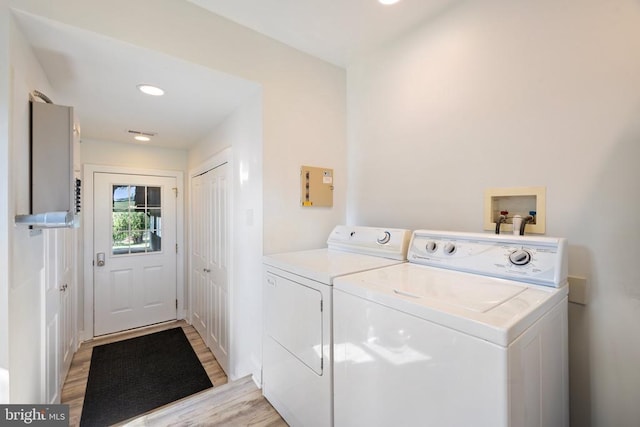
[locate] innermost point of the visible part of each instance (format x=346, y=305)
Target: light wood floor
x=239, y=403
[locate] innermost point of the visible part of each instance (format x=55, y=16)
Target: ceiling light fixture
x=141, y=136
x=150, y=90
x=388, y=2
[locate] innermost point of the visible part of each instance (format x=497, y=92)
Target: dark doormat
x=130, y=377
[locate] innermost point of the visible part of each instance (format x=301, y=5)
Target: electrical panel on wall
x=316, y=186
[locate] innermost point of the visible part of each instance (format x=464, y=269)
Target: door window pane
x=136, y=219
x=153, y=196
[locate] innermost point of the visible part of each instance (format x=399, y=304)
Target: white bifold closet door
x=210, y=260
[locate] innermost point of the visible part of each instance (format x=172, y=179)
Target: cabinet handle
x=206, y=270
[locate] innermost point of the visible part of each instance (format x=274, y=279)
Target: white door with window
x=135, y=251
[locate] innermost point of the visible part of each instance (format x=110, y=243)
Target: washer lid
x=466, y=291
x=322, y=265
x=493, y=309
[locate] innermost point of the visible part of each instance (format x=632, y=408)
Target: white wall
x=26, y=257
x=5, y=92
x=132, y=155
x=508, y=94
x=242, y=131
x=304, y=99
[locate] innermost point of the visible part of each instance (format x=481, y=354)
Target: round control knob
x=520, y=257
x=431, y=246
x=384, y=237
x=449, y=248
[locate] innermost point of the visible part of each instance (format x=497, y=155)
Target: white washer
x=297, y=351
x=472, y=331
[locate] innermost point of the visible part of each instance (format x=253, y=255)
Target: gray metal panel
x=51, y=158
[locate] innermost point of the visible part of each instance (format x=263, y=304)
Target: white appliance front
x=420, y=345
x=297, y=372
x=394, y=369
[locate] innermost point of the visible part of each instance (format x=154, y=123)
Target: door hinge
x=321, y=305
x=175, y=190
x=176, y=304
x=176, y=248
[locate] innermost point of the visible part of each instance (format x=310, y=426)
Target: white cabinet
x=59, y=293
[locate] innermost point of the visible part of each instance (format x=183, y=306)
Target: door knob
x=100, y=259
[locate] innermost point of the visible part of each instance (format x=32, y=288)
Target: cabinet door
x=59, y=287
x=52, y=319
x=66, y=243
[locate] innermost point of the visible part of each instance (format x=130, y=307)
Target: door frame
x=87, y=217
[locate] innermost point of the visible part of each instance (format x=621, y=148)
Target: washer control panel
x=538, y=260
x=520, y=257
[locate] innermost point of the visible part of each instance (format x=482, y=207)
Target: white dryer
x=472, y=331
x=297, y=352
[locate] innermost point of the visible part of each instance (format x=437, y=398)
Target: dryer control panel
x=383, y=242
x=538, y=260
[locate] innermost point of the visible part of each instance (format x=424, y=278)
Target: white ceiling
x=98, y=75
x=333, y=30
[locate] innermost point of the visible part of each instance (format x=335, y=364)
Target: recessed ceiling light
x=142, y=138
x=151, y=90
x=387, y=2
